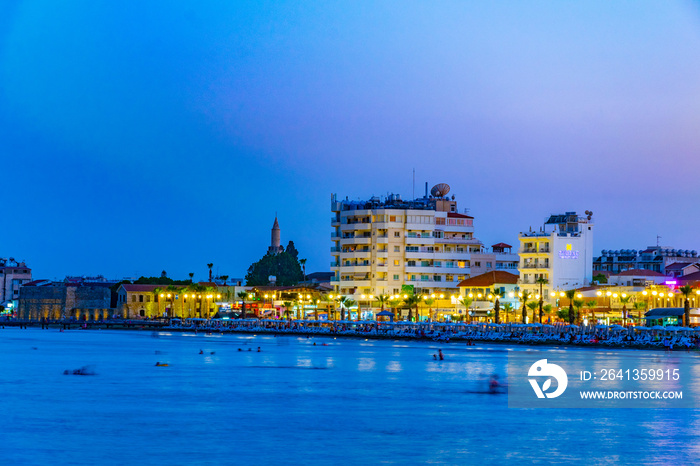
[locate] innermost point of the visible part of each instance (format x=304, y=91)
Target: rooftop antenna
x=657, y=240
x=414, y=184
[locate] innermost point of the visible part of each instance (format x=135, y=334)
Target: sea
x=264, y=399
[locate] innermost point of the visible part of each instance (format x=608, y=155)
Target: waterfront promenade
x=469, y=333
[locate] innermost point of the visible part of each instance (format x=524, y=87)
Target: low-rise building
x=561, y=253
x=64, y=300
x=13, y=275
x=656, y=258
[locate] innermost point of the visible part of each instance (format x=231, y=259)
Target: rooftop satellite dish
x=440, y=190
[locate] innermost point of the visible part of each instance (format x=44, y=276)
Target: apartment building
x=561, y=252
x=12, y=275
x=390, y=246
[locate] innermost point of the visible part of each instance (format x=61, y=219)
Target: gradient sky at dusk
x=142, y=136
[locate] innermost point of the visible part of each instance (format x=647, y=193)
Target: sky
x=137, y=137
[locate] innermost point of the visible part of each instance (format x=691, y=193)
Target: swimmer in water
x=442, y=357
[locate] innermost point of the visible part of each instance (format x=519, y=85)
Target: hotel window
x=140, y=298
x=397, y=234
x=460, y=264
x=411, y=263
x=476, y=264
x=437, y=278
x=133, y=298
x=397, y=248
x=392, y=218
x=396, y=277
x=396, y=262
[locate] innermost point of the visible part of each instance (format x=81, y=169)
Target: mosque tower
x=275, y=247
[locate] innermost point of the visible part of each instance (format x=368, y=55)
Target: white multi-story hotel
x=561, y=252
x=388, y=246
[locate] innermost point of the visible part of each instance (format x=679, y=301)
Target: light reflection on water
x=352, y=401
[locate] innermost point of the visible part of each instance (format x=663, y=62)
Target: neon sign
x=568, y=254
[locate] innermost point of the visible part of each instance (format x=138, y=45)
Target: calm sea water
x=350, y=402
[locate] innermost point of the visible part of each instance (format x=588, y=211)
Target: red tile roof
x=678, y=265
x=455, y=215
x=690, y=278
x=490, y=279
x=501, y=245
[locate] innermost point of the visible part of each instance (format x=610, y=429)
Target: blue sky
x=142, y=136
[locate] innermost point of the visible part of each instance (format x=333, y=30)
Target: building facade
x=656, y=258
x=13, y=275
x=391, y=246
x=561, y=252
x=64, y=300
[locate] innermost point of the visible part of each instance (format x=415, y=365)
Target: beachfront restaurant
x=666, y=316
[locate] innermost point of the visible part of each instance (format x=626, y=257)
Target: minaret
x=275, y=243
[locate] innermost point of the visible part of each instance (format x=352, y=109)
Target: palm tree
x=625, y=301
x=411, y=301
x=243, y=295
x=578, y=304
x=533, y=305
x=686, y=290
x=287, y=305
x=507, y=307
x=191, y=276
x=571, y=294
x=326, y=300
x=429, y=302
x=541, y=281
x=224, y=278
x=394, y=305
x=466, y=302
x=344, y=304
x=497, y=295
x=524, y=296
x=547, y=308
x=591, y=304
x=639, y=306
x=302, y=262
x=210, y=265
x=383, y=299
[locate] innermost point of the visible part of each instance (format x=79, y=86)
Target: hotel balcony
x=356, y=255
x=356, y=240
x=357, y=268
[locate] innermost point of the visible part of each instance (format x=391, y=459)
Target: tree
x=507, y=307
x=466, y=302
x=547, y=308
x=541, y=281
x=497, y=295
x=625, y=301
x=224, y=278
x=571, y=294
x=284, y=266
x=639, y=306
x=383, y=299
x=210, y=265
x=410, y=301
x=394, y=305
x=291, y=250
x=686, y=290
x=302, y=262
x=287, y=305
x=345, y=304
x=591, y=304
x=533, y=305
x=429, y=302
x=191, y=277
x=524, y=296
x=243, y=295
x=578, y=304
x=600, y=278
